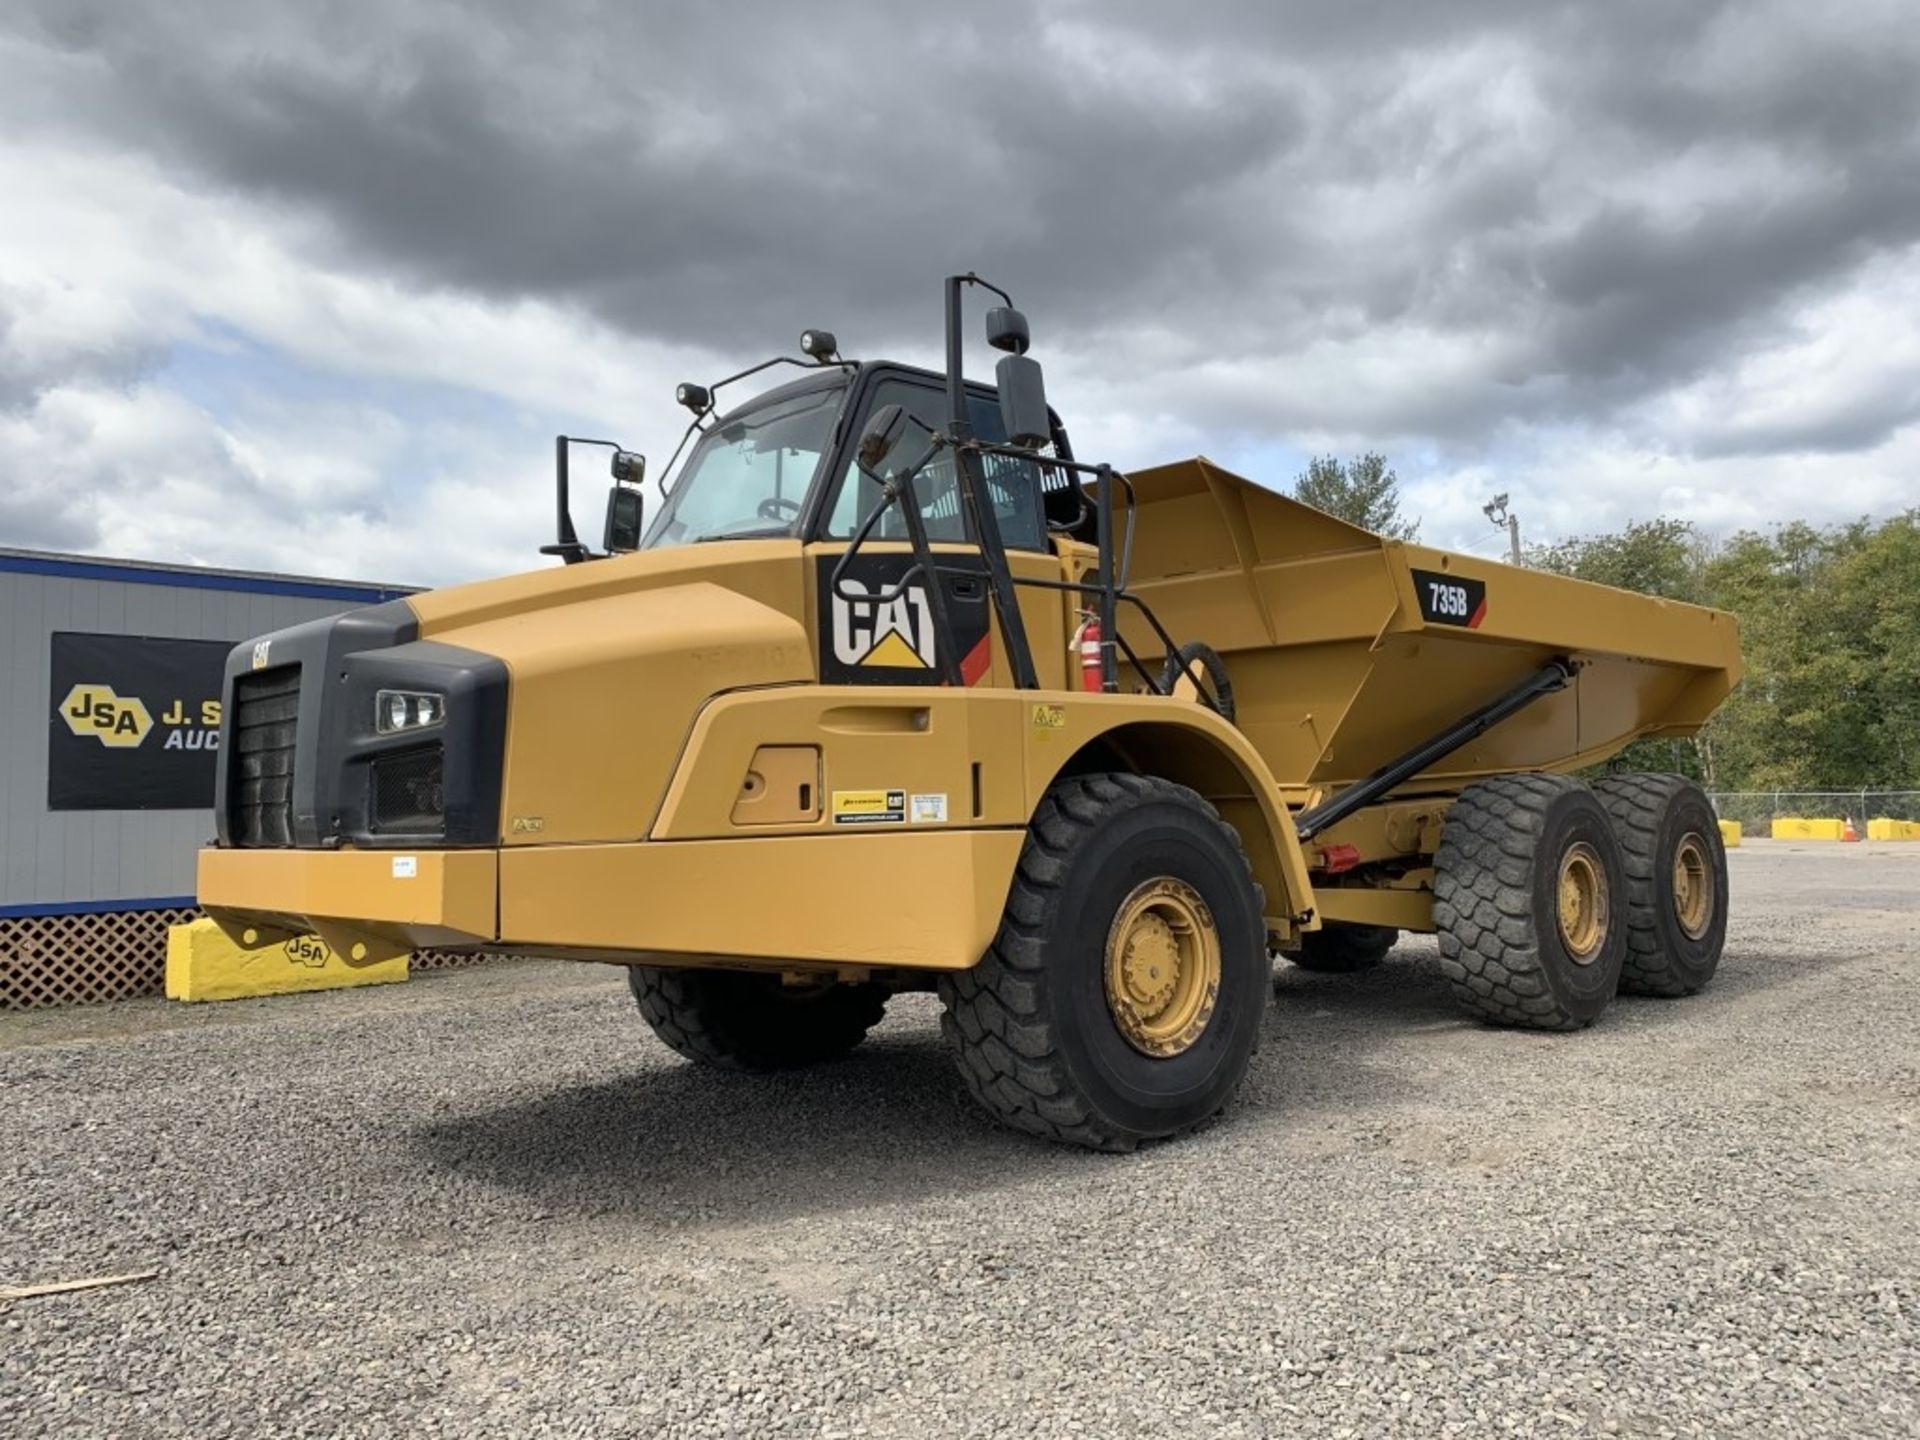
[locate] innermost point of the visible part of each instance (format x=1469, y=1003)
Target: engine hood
x=768, y=571
x=609, y=662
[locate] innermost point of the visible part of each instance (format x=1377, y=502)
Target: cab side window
x=1012, y=485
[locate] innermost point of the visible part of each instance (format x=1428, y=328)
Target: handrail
x=1109, y=590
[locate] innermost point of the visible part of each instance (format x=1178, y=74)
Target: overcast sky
x=309, y=287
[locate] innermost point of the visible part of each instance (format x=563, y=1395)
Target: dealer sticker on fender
x=869, y=807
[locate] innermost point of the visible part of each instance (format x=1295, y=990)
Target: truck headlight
x=407, y=710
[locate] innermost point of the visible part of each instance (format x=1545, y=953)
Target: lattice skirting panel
x=120, y=955
x=447, y=959
x=84, y=959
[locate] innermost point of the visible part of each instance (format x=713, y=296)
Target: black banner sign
x=890, y=642
x=135, y=722
x=1450, y=599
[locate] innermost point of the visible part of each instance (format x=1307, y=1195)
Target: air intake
x=409, y=792
x=266, y=708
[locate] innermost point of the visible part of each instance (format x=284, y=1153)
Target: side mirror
x=626, y=508
x=878, y=438
x=1023, y=402
x=1007, y=330
x=629, y=468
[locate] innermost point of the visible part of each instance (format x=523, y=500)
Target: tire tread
x=695, y=1016
x=994, y=1016
x=1344, y=949
x=1483, y=905
x=1638, y=802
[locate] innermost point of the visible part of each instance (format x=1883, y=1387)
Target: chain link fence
x=1757, y=809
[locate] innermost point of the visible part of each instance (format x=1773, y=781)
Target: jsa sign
x=135, y=722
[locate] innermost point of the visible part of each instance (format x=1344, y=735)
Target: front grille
x=266, y=708
x=409, y=792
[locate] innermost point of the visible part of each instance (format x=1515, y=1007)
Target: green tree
x=1362, y=492
x=1885, y=579
x=1830, y=635
x=1655, y=557
x=1830, y=629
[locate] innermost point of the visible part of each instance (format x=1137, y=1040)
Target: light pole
x=1496, y=511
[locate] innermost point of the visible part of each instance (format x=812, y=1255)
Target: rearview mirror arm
x=567, y=542
x=567, y=546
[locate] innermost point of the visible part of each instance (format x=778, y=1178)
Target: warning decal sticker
x=869, y=807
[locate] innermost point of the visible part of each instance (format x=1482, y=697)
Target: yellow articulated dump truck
x=894, y=693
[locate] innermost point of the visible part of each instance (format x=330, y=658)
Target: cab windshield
x=750, y=474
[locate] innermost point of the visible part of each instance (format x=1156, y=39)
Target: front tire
x=1529, y=902
x=739, y=1020
x=1676, y=881
x=1122, y=999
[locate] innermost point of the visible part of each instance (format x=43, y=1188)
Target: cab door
x=890, y=640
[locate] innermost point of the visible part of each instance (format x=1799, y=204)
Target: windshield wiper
x=764, y=533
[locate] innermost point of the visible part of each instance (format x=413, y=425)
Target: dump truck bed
x=1346, y=648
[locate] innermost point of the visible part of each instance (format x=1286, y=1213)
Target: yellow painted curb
x=1730, y=834
x=203, y=964
x=1884, y=829
x=1796, y=829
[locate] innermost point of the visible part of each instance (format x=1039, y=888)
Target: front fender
x=979, y=759
x=1192, y=745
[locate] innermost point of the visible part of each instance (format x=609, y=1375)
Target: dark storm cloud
x=1600, y=203
x=684, y=183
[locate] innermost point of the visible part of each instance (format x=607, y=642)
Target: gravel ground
x=489, y=1202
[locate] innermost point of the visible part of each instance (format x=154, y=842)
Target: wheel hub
x=1585, y=905
x=1151, y=965
x=1693, y=887
x=1162, y=967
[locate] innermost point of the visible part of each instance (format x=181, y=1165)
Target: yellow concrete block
x=1797, y=829
x=203, y=964
x=1885, y=829
x=1730, y=834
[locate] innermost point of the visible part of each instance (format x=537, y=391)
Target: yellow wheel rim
x=1693, y=886
x=1585, y=904
x=1163, y=967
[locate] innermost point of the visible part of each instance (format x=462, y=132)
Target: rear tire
x=1529, y=899
x=1676, y=888
x=739, y=1020
x=1122, y=999
x=1342, y=949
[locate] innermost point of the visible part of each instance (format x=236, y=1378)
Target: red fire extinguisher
x=1087, y=637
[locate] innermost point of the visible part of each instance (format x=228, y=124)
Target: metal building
x=109, y=719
